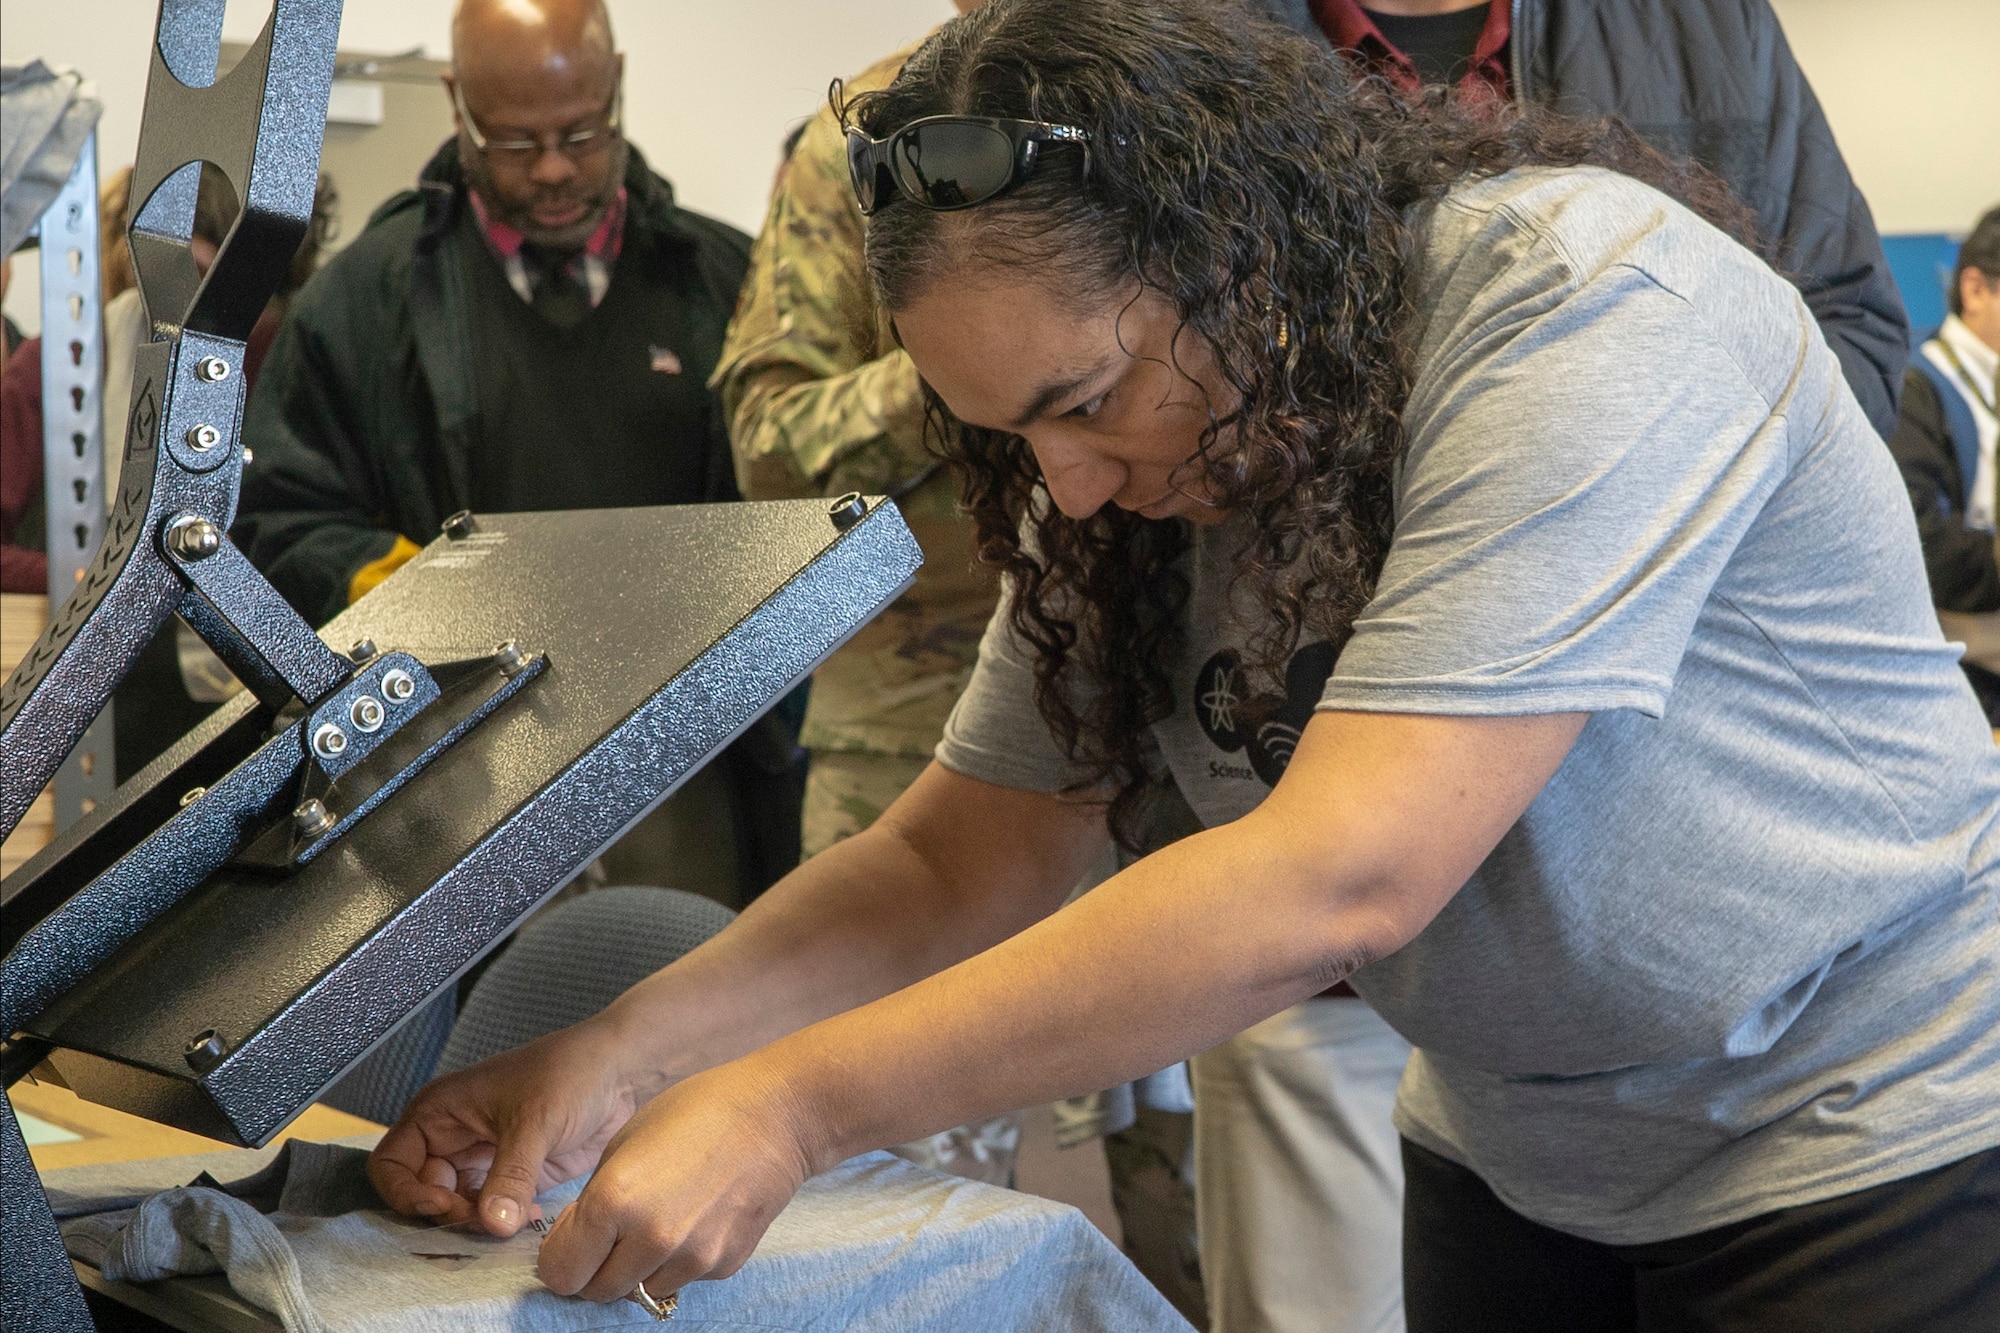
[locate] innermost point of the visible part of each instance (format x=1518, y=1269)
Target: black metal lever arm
x=263, y=640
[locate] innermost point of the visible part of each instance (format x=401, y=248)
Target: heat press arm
x=260, y=126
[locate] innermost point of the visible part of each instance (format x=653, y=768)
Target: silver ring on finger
x=661, y=1310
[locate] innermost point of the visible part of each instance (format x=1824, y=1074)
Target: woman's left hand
x=684, y=1191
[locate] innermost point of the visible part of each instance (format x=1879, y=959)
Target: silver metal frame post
x=73, y=442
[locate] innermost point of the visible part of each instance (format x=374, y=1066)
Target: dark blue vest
x=1958, y=423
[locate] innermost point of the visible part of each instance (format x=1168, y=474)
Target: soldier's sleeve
x=817, y=399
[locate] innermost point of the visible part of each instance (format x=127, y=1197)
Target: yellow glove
x=372, y=573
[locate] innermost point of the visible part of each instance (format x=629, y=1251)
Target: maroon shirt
x=23, y=569
x=1347, y=25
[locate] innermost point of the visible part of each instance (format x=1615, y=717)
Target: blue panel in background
x=1921, y=264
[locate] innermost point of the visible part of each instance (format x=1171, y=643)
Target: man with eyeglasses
x=531, y=328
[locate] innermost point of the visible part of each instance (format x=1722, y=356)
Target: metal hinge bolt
x=329, y=742
x=193, y=538
x=211, y=370
x=367, y=714
x=848, y=510
x=398, y=686
x=202, y=438
x=312, y=818
x=204, y=1051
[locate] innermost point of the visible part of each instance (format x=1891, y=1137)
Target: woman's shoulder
x=1524, y=244
x=1584, y=218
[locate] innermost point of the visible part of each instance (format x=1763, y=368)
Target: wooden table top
x=22, y=616
x=105, y=1135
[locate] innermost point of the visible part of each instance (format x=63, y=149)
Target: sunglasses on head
x=948, y=162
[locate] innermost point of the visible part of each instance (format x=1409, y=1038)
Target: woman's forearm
x=1377, y=823
x=1167, y=958
x=868, y=916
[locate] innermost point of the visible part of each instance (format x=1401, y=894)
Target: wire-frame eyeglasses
x=575, y=145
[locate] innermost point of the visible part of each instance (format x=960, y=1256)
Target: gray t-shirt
x=1743, y=951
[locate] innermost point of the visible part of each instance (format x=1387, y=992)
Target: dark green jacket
x=1714, y=80
x=364, y=416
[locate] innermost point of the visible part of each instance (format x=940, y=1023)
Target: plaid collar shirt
x=1348, y=26
x=590, y=267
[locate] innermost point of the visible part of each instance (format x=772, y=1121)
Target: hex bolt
x=248, y=457
x=459, y=526
x=367, y=714
x=192, y=538
x=329, y=742
x=202, y=438
x=398, y=686
x=191, y=795
x=204, y=1051
x=364, y=650
x=848, y=510
x=312, y=818
x=211, y=370
x=509, y=659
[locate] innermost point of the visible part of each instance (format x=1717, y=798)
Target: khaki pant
x=847, y=790
x=1979, y=632
x=1299, y=1174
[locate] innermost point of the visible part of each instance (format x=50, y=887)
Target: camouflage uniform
x=821, y=401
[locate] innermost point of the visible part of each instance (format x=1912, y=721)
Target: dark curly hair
x=1274, y=198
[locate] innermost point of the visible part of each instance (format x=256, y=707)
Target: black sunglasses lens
x=862, y=169
x=952, y=164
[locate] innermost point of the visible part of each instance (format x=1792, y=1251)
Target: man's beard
x=520, y=215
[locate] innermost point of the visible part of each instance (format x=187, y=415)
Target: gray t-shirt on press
x=1743, y=951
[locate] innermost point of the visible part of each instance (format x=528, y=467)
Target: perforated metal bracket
x=73, y=441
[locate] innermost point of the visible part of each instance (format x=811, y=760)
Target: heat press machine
x=217, y=941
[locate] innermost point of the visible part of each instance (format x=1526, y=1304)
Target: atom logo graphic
x=1221, y=699
x=1220, y=692
x=1237, y=715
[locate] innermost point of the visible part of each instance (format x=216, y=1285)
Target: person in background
x=531, y=328
x=1710, y=79
x=819, y=402
x=1945, y=444
x=24, y=565
x=10, y=332
x=176, y=679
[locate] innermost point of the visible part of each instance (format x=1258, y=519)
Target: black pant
x=1919, y=1255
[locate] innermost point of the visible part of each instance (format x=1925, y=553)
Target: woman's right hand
x=485, y=1141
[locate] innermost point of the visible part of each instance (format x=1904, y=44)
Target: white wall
x=711, y=87
x=1912, y=90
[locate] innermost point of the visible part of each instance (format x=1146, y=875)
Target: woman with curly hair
x=1485, y=542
